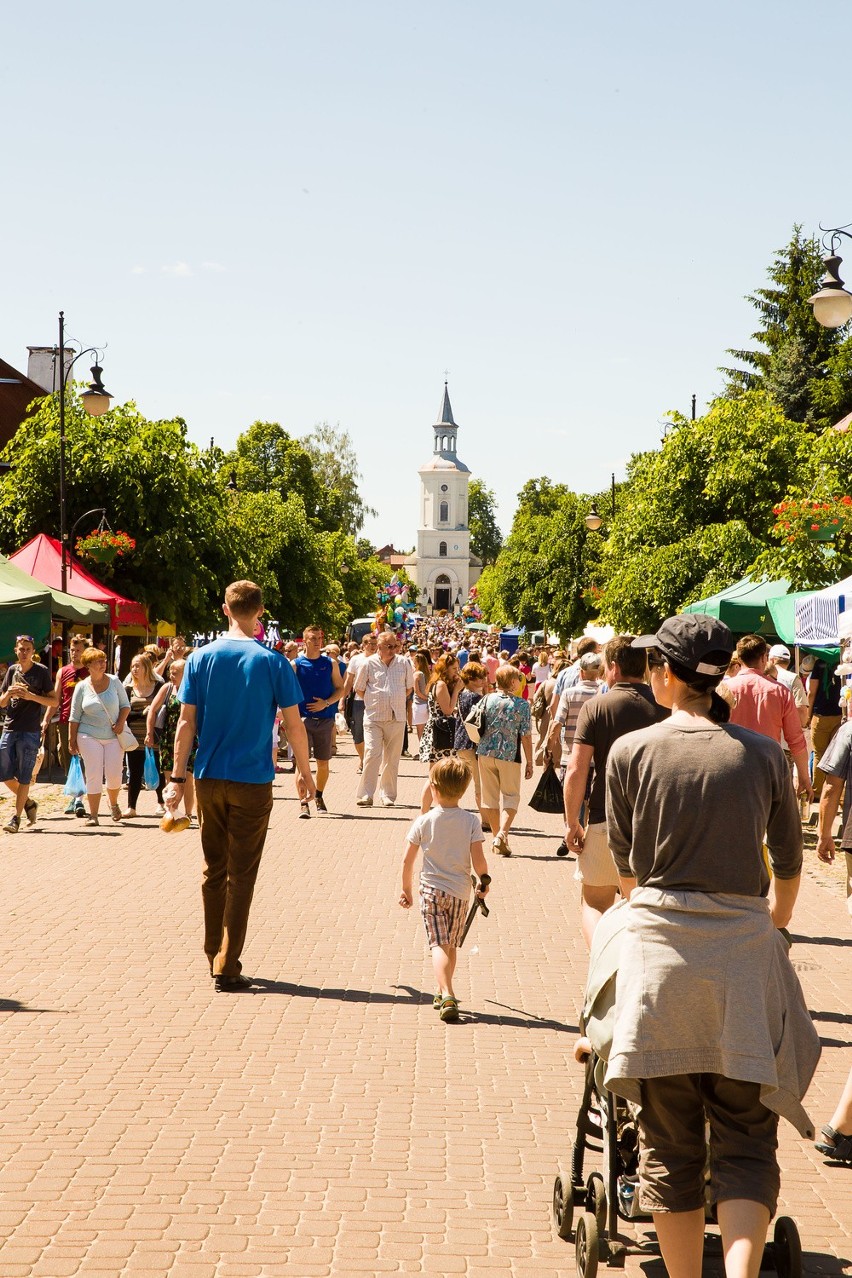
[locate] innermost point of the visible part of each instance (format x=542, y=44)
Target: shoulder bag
x=125, y=738
x=474, y=721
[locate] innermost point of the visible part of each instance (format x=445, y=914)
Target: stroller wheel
x=596, y=1199
x=787, y=1248
x=586, y=1248
x=563, y=1205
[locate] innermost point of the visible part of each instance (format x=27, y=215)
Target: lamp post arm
x=834, y=232
x=99, y=510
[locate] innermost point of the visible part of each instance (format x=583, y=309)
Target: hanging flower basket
x=812, y=520
x=103, y=546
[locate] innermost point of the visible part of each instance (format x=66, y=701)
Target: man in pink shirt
x=768, y=707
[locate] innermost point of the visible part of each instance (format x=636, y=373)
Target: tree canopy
x=486, y=539
x=807, y=368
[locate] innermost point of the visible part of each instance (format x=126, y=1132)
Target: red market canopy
x=41, y=559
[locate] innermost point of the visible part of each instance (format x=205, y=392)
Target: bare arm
x=782, y=898
x=480, y=865
x=407, y=894
x=832, y=790
x=576, y=779
x=153, y=711
x=298, y=740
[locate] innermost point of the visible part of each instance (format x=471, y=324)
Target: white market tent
x=817, y=615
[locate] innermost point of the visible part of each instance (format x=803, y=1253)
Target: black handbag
x=444, y=732
x=547, y=796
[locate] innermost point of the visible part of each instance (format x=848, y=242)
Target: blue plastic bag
x=152, y=772
x=75, y=784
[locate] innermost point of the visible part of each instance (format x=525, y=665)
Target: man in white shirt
x=385, y=681
x=779, y=657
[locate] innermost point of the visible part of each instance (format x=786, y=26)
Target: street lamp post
x=96, y=402
x=594, y=520
x=832, y=303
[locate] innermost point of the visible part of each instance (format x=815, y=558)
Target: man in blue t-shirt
x=231, y=691
x=322, y=686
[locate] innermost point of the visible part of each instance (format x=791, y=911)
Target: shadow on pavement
x=823, y=940
x=12, y=1005
x=839, y=1018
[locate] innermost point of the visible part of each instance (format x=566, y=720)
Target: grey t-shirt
x=837, y=762
x=688, y=805
x=445, y=836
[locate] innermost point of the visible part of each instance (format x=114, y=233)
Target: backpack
x=474, y=721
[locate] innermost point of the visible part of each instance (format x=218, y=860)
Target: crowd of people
x=681, y=754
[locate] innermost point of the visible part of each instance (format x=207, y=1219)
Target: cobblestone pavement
x=326, y=1123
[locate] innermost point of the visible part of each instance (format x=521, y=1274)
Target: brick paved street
x=327, y=1123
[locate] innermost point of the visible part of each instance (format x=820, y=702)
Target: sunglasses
x=25, y=639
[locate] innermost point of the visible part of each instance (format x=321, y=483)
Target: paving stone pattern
x=327, y=1123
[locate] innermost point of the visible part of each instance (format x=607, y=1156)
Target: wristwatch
x=178, y=780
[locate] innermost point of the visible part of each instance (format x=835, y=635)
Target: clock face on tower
x=455, y=547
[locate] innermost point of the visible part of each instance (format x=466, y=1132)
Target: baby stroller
x=607, y=1125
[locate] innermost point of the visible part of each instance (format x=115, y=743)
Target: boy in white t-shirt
x=451, y=839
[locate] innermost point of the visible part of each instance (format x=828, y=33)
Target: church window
x=442, y=549
x=444, y=512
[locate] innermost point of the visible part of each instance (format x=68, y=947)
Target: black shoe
x=562, y=850
x=232, y=984
x=320, y=802
x=305, y=810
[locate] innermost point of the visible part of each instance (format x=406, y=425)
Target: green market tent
x=744, y=606
x=83, y=612
x=767, y=608
x=24, y=610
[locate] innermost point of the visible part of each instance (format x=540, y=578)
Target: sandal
x=437, y=1001
x=840, y=1149
x=449, y=1009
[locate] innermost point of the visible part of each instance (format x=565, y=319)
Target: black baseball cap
x=700, y=643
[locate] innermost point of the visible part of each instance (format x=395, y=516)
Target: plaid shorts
x=443, y=916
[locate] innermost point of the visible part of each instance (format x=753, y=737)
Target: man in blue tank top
x=322, y=685
x=231, y=691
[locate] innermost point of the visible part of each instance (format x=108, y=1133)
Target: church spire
x=446, y=417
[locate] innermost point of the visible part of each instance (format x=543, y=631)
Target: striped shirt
x=384, y=688
x=570, y=704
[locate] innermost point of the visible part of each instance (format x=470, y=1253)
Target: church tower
x=443, y=567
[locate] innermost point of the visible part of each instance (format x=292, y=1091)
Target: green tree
x=697, y=512
x=796, y=358
x=336, y=468
x=486, y=538
x=153, y=483
x=266, y=459
x=545, y=574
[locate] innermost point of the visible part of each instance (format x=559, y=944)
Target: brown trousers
x=823, y=728
x=234, y=818
x=743, y=1143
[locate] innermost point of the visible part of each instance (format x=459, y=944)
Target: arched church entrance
x=442, y=593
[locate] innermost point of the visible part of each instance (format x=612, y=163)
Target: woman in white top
x=99, y=710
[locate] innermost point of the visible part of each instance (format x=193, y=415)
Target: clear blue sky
x=307, y=211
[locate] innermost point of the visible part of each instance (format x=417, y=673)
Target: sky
x=306, y=212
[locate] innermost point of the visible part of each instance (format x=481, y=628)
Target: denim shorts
x=18, y=751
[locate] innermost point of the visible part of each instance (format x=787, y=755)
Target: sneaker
x=72, y=807
x=128, y=813
x=12, y=826
x=92, y=821
x=365, y=801
x=159, y=810
x=31, y=809
x=79, y=808
x=320, y=802
x=386, y=802
x=305, y=811
x=116, y=813
x=562, y=850
x=501, y=845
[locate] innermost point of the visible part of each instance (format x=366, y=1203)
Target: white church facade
x=442, y=567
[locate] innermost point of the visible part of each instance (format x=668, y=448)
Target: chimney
x=41, y=366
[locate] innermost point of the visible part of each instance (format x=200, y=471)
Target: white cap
x=779, y=650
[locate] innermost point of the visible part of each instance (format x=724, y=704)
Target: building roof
x=442, y=462
x=446, y=418
x=17, y=392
